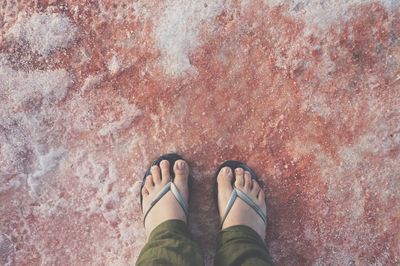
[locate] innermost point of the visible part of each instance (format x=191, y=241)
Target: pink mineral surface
x=307, y=92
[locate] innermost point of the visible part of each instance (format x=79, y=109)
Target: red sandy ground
x=316, y=115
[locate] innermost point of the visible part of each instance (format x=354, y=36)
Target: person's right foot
x=241, y=213
x=167, y=208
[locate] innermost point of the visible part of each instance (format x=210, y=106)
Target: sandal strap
x=238, y=193
x=170, y=186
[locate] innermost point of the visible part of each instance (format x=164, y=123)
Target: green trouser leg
x=170, y=243
x=241, y=245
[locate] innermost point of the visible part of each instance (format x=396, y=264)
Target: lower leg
x=170, y=243
x=241, y=245
x=169, y=240
x=241, y=241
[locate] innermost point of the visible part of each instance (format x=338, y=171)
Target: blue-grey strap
x=170, y=186
x=238, y=193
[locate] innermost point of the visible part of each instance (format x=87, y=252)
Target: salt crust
x=44, y=32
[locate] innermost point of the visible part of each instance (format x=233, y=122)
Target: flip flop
x=237, y=193
x=170, y=186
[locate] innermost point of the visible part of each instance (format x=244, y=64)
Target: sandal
x=170, y=186
x=237, y=192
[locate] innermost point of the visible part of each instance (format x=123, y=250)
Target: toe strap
x=170, y=186
x=238, y=193
x=179, y=198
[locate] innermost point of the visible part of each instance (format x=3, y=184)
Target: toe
x=181, y=170
x=261, y=196
x=149, y=184
x=165, y=174
x=155, y=172
x=255, y=189
x=224, y=182
x=145, y=192
x=239, y=175
x=248, y=183
x=224, y=178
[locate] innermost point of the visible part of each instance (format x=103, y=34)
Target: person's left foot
x=167, y=208
x=241, y=213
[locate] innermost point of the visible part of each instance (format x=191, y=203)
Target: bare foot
x=167, y=208
x=241, y=213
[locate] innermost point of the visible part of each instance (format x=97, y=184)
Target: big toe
x=181, y=170
x=225, y=188
x=224, y=180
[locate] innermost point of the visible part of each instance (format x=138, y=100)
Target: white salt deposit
x=114, y=65
x=391, y=4
x=7, y=250
x=177, y=31
x=91, y=81
x=46, y=163
x=315, y=103
x=30, y=99
x=52, y=85
x=322, y=14
x=129, y=113
x=44, y=32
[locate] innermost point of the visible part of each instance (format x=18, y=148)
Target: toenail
x=227, y=170
x=181, y=164
x=238, y=170
x=164, y=162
